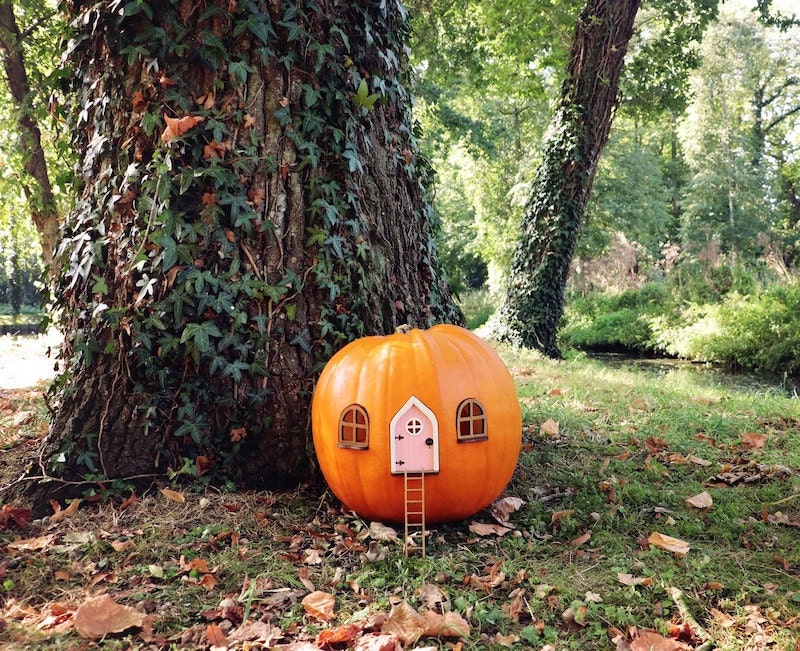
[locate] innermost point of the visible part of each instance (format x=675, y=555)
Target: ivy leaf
x=363, y=98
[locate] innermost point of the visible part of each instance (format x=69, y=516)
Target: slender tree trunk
x=253, y=200
x=578, y=132
x=37, y=187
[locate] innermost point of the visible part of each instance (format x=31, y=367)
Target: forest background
x=690, y=244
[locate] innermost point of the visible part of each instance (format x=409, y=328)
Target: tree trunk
x=37, y=187
x=579, y=130
x=253, y=200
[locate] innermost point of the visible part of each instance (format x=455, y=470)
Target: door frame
x=413, y=401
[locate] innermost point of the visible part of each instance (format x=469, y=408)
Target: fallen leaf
x=406, y=623
x=59, y=513
x=549, y=427
x=433, y=597
x=670, y=544
x=503, y=508
x=178, y=126
x=172, y=496
x=577, y=542
x=485, y=529
x=14, y=515
x=449, y=624
x=699, y=461
x=753, y=441
x=339, y=635
x=700, y=501
x=320, y=604
x=128, y=502
x=379, y=531
x=378, y=642
x=208, y=582
x=652, y=641
x=655, y=444
x=557, y=516
x=504, y=640
x=216, y=637
x=100, y=616
x=630, y=580
x=33, y=544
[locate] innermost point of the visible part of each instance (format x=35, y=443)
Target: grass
x=610, y=457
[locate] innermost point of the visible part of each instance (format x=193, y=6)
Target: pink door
x=415, y=439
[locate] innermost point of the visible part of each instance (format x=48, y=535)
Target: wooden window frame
x=470, y=419
x=349, y=429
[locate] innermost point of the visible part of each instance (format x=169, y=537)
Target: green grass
x=630, y=448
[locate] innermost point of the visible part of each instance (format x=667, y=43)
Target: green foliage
x=758, y=331
x=614, y=321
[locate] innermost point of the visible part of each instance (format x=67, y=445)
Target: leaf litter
x=174, y=569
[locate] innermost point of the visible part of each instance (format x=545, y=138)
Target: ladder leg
x=414, y=503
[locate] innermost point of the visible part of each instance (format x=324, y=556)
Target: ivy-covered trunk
x=253, y=199
x=534, y=301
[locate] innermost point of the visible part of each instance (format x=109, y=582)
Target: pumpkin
x=438, y=401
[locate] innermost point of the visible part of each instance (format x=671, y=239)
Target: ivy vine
x=164, y=266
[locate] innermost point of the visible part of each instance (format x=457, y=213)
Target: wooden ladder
x=414, y=492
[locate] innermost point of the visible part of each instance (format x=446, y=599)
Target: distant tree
x=578, y=132
x=738, y=133
x=27, y=101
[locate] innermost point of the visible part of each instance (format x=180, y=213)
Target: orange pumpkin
x=438, y=401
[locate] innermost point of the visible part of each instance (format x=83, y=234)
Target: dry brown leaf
x=674, y=545
x=629, y=579
x=450, y=624
x=557, y=516
x=216, y=637
x=549, y=427
x=652, y=641
x=432, y=597
x=59, y=513
x=406, y=623
x=132, y=498
x=505, y=640
x=503, y=508
x=178, y=126
x=172, y=496
x=100, y=616
x=723, y=619
x=379, y=531
x=378, y=642
x=753, y=441
x=655, y=444
x=339, y=635
x=33, y=544
x=14, y=515
x=514, y=608
x=581, y=539
x=485, y=529
x=698, y=460
x=700, y=501
x=320, y=604
x=208, y=582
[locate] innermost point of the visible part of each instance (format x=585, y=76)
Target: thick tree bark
x=37, y=187
x=216, y=261
x=534, y=299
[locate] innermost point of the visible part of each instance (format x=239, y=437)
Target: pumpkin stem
x=403, y=329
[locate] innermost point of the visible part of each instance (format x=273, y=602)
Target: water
x=711, y=373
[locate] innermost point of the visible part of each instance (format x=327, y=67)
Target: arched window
x=471, y=421
x=354, y=428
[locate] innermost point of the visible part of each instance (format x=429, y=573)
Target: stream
x=711, y=373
